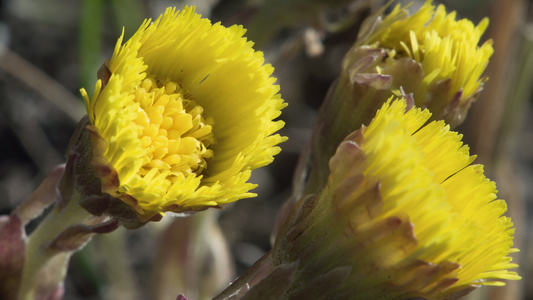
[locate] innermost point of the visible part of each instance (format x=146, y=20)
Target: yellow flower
x=429, y=58
x=404, y=214
x=446, y=48
x=183, y=113
x=425, y=172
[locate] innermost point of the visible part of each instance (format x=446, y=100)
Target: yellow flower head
x=406, y=211
x=446, y=48
x=425, y=174
x=428, y=57
x=183, y=114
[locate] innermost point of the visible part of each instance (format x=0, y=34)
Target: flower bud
x=404, y=211
x=404, y=215
x=429, y=58
x=431, y=55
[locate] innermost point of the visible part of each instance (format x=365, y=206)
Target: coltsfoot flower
x=404, y=214
x=429, y=57
x=181, y=115
x=446, y=49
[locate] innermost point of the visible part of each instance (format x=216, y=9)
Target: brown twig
x=18, y=67
x=492, y=121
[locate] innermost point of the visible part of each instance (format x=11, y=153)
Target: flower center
x=172, y=130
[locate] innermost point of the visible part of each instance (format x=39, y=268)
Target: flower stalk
x=63, y=231
x=38, y=252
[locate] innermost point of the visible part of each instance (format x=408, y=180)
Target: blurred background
x=51, y=48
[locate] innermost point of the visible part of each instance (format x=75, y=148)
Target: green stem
x=90, y=41
x=37, y=257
